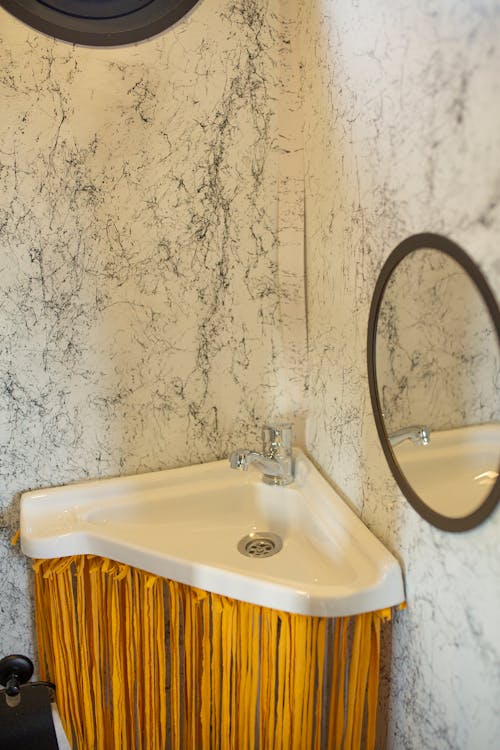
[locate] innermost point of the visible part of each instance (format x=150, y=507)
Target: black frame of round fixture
x=429, y=241
x=99, y=22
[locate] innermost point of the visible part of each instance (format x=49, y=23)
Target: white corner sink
x=185, y=524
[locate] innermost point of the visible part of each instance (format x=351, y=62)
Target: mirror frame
x=428, y=241
x=129, y=28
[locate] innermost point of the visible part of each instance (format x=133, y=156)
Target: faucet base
x=277, y=481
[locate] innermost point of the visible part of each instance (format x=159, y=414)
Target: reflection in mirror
x=434, y=365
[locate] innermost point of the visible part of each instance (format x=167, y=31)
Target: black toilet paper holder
x=26, y=713
x=16, y=670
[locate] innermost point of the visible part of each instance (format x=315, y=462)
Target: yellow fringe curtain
x=144, y=663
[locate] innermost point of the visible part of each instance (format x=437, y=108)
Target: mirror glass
x=434, y=368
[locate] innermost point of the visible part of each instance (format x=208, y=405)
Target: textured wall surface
x=402, y=106
x=437, y=354
x=142, y=289
x=139, y=245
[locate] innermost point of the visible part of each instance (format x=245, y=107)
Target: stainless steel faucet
x=275, y=462
x=418, y=434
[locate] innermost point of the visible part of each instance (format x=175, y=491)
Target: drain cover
x=260, y=544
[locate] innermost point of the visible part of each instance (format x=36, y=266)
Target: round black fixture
x=99, y=22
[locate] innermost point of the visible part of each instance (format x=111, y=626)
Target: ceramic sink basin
x=185, y=524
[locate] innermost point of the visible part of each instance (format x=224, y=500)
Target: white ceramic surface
x=185, y=524
x=455, y=472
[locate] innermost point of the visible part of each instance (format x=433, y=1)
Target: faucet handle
x=277, y=440
x=238, y=459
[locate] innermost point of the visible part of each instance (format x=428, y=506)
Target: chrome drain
x=260, y=544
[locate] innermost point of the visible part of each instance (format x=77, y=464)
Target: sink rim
x=52, y=525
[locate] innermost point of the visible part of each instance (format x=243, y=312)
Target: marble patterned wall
x=437, y=353
x=402, y=104
x=141, y=293
x=148, y=266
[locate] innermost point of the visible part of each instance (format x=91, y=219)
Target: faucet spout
x=275, y=462
x=418, y=434
x=243, y=458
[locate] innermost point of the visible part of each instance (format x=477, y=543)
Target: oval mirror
x=434, y=375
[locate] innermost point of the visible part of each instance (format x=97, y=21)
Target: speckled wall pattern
x=139, y=288
x=401, y=137
x=151, y=292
